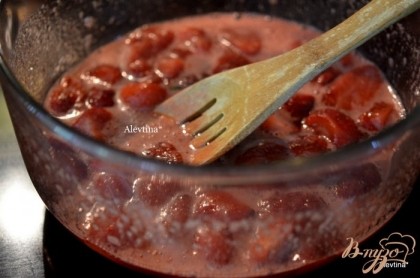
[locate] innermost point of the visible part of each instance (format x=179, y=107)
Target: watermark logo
x=140, y=129
x=393, y=253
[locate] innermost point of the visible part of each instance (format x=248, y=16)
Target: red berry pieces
x=159, y=37
x=339, y=128
x=155, y=192
x=104, y=74
x=195, y=39
x=327, y=76
x=229, y=60
x=216, y=246
x=164, y=151
x=100, y=97
x=142, y=95
x=309, y=144
x=147, y=42
x=378, y=117
x=299, y=106
x=290, y=203
x=347, y=60
x=221, y=205
x=129, y=229
x=169, y=67
x=354, y=88
x=139, y=68
x=280, y=124
x=357, y=181
x=176, y=213
x=68, y=159
x=245, y=41
x=112, y=187
x=271, y=243
x=92, y=122
x=263, y=153
x=67, y=95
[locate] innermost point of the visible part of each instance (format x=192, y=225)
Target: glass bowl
x=270, y=219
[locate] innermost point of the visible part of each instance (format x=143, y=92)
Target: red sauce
x=111, y=95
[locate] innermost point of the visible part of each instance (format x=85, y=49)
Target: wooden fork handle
x=315, y=56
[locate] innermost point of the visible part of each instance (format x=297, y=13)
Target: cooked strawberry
x=155, y=192
x=280, y=124
x=196, y=39
x=327, y=76
x=290, y=203
x=159, y=38
x=221, y=205
x=229, y=60
x=309, y=144
x=215, y=245
x=67, y=95
x=142, y=94
x=164, y=151
x=347, y=60
x=271, y=243
x=170, y=67
x=139, y=67
x=357, y=181
x=176, y=213
x=263, y=153
x=112, y=187
x=299, y=106
x=73, y=166
x=245, y=41
x=104, y=73
x=354, y=88
x=100, y=97
x=92, y=122
x=336, y=126
x=377, y=117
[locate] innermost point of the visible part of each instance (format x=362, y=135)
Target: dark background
x=34, y=244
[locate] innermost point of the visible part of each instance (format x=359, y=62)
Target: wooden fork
x=223, y=109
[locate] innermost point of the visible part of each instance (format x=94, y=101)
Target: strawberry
x=270, y=243
x=164, y=151
x=229, y=60
x=280, y=124
x=354, y=88
x=104, y=73
x=139, y=67
x=67, y=95
x=221, y=205
x=100, y=97
x=70, y=162
x=357, y=180
x=262, y=153
x=111, y=187
x=308, y=144
x=142, y=94
x=327, y=76
x=154, y=191
x=290, y=203
x=245, y=41
x=339, y=128
x=195, y=39
x=170, y=67
x=92, y=122
x=378, y=117
x=176, y=213
x=216, y=246
x=159, y=38
x=299, y=106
